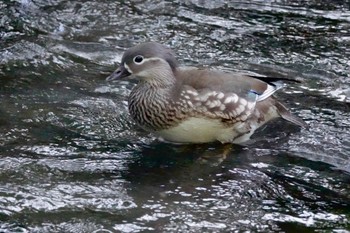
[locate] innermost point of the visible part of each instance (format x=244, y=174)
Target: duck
x=182, y=104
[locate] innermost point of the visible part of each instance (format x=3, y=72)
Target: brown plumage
x=190, y=105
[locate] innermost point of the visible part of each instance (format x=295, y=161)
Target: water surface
x=71, y=160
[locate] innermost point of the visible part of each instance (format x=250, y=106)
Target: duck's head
x=146, y=61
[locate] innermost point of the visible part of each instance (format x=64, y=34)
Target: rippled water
x=71, y=160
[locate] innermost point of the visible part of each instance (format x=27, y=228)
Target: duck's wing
x=229, y=95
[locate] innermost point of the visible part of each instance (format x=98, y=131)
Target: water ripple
x=71, y=160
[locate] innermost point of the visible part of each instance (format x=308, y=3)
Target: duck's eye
x=138, y=59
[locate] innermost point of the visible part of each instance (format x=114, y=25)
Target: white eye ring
x=138, y=59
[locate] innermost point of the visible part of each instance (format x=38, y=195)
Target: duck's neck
x=158, y=78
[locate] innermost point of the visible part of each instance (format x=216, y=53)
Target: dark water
x=71, y=160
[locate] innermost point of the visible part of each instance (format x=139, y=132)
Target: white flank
x=198, y=130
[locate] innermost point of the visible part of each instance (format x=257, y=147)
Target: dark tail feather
x=285, y=114
x=271, y=80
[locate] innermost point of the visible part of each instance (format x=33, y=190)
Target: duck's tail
x=287, y=115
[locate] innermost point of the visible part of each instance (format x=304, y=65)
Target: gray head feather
x=149, y=50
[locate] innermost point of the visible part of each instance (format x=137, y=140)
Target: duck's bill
x=120, y=73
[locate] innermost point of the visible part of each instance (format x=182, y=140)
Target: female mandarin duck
x=190, y=105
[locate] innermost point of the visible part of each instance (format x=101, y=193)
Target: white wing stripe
x=269, y=91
